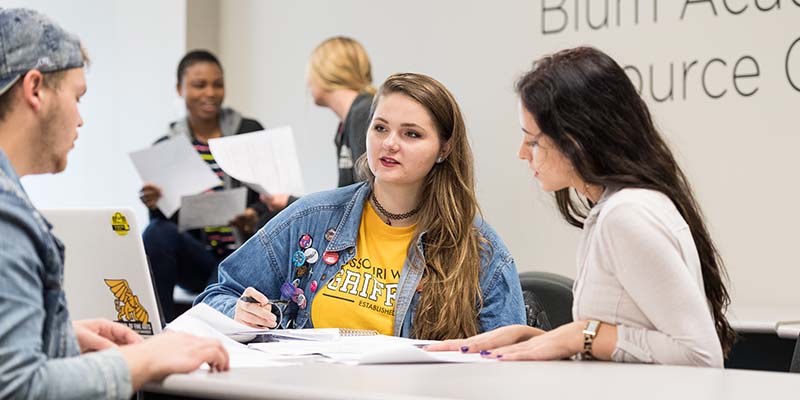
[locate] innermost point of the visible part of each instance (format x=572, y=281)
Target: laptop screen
x=106, y=274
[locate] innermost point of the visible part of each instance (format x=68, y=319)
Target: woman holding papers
x=190, y=258
x=649, y=284
x=404, y=253
x=340, y=78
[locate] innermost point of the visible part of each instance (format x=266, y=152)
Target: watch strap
x=589, y=333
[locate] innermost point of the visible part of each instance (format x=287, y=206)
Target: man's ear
x=179, y=90
x=32, y=89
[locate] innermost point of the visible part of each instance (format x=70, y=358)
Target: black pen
x=249, y=299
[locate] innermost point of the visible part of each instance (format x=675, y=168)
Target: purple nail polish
x=499, y=356
x=464, y=349
x=485, y=353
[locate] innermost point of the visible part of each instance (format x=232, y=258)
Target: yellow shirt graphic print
x=363, y=293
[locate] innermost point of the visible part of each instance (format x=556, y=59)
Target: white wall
x=134, y=48
x=202, y=25
x=738, y=151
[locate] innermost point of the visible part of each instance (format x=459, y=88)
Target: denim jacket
x=39, y=354
x=265, y=262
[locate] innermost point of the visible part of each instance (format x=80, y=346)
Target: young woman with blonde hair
x=339, y=76
x=404, y=253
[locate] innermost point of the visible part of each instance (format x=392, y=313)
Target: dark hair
x=583, y=100
x=7, y=99
x=194, y=57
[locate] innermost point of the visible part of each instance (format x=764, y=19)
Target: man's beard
x=48, y=155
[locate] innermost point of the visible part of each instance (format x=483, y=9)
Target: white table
x=560, y=380
x=762, y=319
x=789, y=331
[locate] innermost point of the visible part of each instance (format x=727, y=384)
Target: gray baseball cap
x=30, y=40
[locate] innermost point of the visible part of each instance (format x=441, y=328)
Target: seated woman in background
x=404, y=253
x=649, y=282
x=190, y=258
x=339, y=77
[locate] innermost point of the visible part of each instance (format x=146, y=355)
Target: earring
x=439, y=160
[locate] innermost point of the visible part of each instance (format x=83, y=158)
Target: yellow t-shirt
x=362, y=294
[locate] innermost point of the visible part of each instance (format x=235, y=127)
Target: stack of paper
x=265, y=160
x=367, y=350
x=205, y=321
x=211, y=209
x=378, y=349
x=174, y=166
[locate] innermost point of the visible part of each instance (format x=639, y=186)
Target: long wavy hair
x=451, y=298
x=583, y=100
x=341, y=63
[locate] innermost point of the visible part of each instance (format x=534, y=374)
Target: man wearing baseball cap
x=42, y=353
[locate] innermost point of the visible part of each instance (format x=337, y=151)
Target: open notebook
x=319, y=335
x=333, y=345
x=363, y=350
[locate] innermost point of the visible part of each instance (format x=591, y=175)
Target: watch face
x=591, y=327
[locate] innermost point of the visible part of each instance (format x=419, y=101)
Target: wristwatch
x=589, y=333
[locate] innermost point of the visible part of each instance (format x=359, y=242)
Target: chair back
x=548, y=298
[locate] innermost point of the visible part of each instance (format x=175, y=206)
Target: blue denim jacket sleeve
x=32, y=367
x=500, y=288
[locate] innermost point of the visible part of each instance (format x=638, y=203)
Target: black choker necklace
x=390, y=216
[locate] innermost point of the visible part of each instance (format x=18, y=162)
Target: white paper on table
x=367, y=350
x=211, y=209
x=264, y=160
x=174, y=166
x=205, y=321
x=314, y=334
x=218, y=321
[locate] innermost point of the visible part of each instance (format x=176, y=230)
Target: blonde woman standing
x=404, y=253
x=339, y=77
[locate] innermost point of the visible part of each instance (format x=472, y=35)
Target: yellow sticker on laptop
x=120, y=224
x=130, y=312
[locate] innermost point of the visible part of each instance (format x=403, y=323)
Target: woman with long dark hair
x=649, y=284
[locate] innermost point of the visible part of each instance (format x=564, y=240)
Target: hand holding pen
x=255, y=310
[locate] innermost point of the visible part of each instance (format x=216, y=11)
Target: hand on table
x=499, y=337
x=100, y=334
x=170, y=353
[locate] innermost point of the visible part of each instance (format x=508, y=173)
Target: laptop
x=106, y=274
